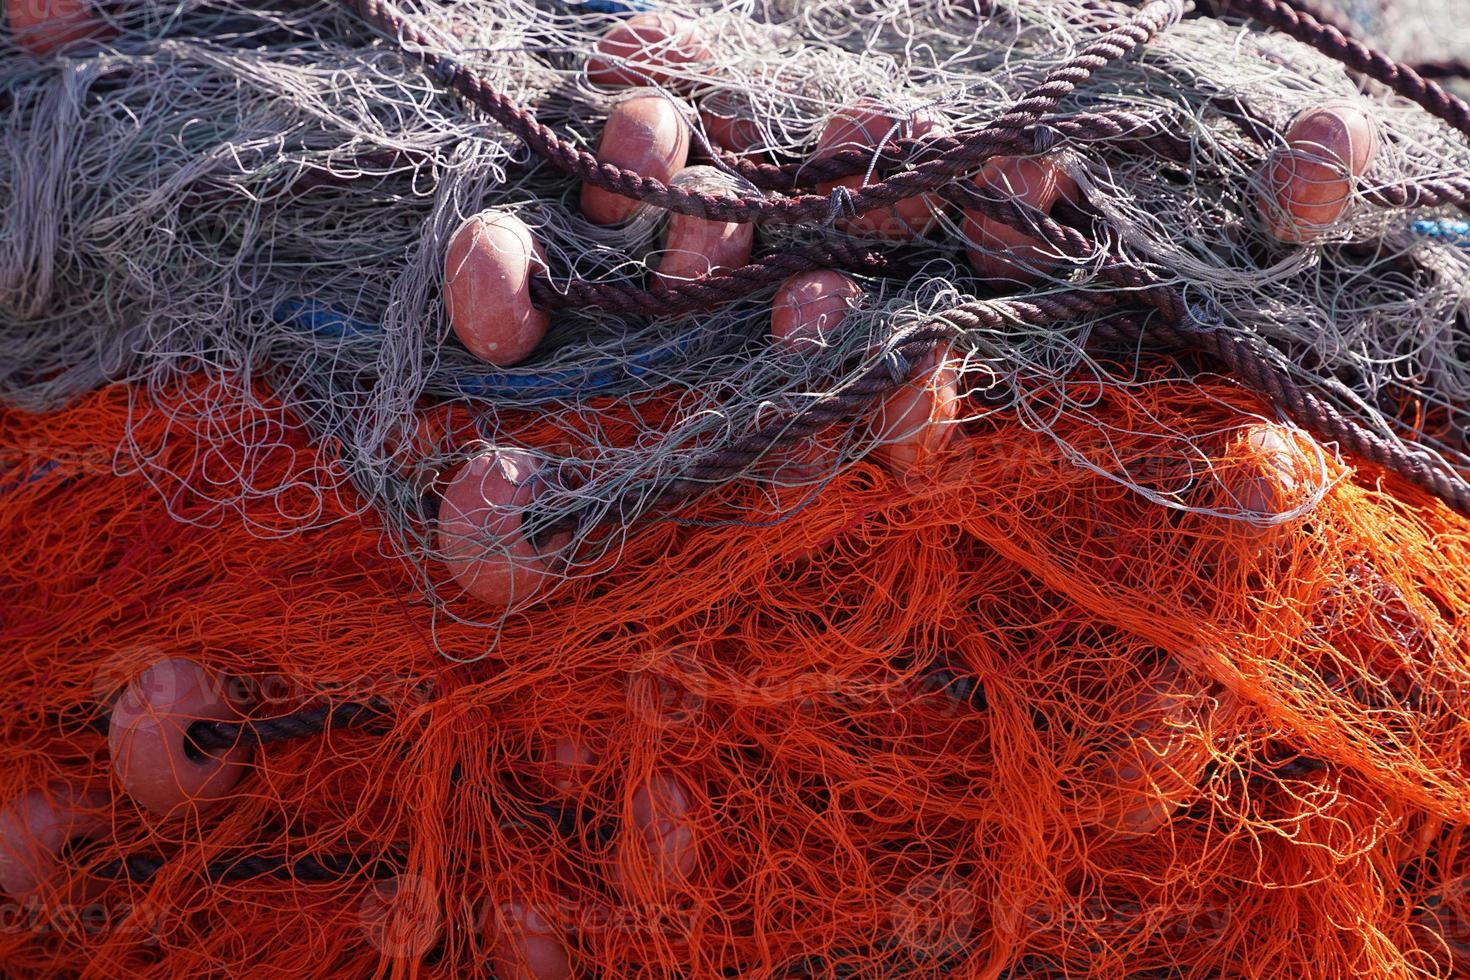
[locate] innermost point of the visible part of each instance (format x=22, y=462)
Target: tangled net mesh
x=1069, y=702
x=213, y=165
x=1015, y=721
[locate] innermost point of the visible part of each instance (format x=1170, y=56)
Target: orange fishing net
x=1010, y=719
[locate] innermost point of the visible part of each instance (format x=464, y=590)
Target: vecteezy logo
x=668, y=689
x=935, y=915
x=401, y=917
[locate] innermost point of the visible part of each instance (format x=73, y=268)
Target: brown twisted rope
x=218, y=736
x=1007, y=134
x=1107, y=125
x=1325, y=14
x=1243, y=356
x=1247, y=357
x=1435, y=193
x=710, y=291
x=1248, y=360
x=1175, y=325
x=1142, y=280
x=1378, y=66
x=1450, y=68
x=882, y=378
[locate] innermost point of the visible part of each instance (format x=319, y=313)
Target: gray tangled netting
x=177, y=196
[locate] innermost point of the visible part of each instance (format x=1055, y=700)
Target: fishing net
x=1151, y=663
x=1016, y=720
x=265, y=194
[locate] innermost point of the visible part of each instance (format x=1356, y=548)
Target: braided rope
x=958, y=156
x=1325, y=14
x=1436, y=193
x=1448, y=68
x=706, y=292
x=1378, y=66
x=1108, y=125
x=1008, y=133
x=910, y=347
x=852, y=400
x=1072, y=243
x=325, y=868
x=1249, y=360
x=207, y=736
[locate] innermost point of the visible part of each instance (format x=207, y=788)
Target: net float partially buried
x=401, y=916
x=727, y=127
x=807, y=314
x=487, y=287
x=525, y=944
x=568, y=767
x=152, y=756
x=658, y=851
x=1038, y=182
x=695, y=247
x=866, y=125
x=810, y=308
x=481, y=533
x=1309, y=182
x=916, y=422
x=645, y=133
x=648, y=49
x=44, y=27
x=1443, y=918
x=36, y=826
x=1158, y=766
x=1268, y=470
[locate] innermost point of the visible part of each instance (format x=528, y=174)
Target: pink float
x=866, y=125
x=644, y=133
x=487, y=287
x=151, y=756
x=480, y=528
x=810, y=307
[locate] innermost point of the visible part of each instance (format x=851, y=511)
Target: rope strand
x=1007, y=134
x=1378, y=66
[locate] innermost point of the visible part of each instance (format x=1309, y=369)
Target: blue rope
x=1447, y=230
x=323, y=320
x=35, y=476
x=601, y=375
x=613, y=7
